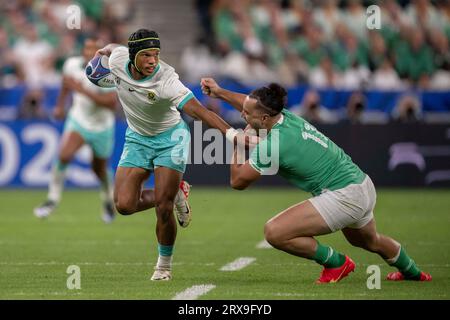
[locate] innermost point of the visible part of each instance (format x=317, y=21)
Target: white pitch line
x=238, y=264
x=194, y=292
x=263, y=245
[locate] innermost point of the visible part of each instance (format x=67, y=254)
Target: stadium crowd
x=35, y=42
x=324, y=43
x=321, y=44
x=327, y=44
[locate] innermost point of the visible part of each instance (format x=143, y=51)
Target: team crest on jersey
x=151, y=96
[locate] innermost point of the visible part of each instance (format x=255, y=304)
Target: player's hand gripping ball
x=97, y=71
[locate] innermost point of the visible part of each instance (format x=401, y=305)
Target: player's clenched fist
x=210, y=87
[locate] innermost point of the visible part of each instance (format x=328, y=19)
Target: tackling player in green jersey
x=343, y=195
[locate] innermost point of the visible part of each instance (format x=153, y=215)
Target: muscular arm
x=106, y=99
x=212, y=89
x=59, y=110
x=241, y=175
x=194, y=109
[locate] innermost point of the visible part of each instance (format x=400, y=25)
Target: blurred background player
x=157, y=138
x=343, y=195
x=90, y=121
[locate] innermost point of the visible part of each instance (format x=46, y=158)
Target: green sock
x=328, y=257
x=405, y=265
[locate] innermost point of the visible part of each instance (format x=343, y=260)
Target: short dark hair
x=272, y=98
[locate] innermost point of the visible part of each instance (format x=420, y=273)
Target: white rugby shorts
x=351, y=206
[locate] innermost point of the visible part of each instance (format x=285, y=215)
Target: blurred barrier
x=400, y=155
x=28, y=149
x=393, y=155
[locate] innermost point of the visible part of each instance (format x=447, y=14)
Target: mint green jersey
x=305, y=157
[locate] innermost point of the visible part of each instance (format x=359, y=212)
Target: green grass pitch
x=117, y=260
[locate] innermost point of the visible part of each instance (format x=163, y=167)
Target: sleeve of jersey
x=118, y=59
x=260, y=157
x=178, y=93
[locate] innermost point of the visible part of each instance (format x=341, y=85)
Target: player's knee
x=272, y=234
x=164, y=207
x=124, y=206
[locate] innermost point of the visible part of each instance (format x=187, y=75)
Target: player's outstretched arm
x=59, y=110
x=107, y=50
x=105, y=99
x=212, y=89
x=197, y=111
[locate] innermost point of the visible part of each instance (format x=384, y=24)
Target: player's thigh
x=361, y=236
x=172, y=148
x=71, y=142
x=167, y=182
x=300, y=220
x=129, y=182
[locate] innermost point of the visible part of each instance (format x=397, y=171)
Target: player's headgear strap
x=142, y=39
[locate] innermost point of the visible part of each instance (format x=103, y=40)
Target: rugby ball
x=97, y=71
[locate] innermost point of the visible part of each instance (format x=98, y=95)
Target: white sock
x=395, y=258
x=56, y=185
x=164, y=262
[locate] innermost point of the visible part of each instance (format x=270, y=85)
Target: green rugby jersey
x=306, y=157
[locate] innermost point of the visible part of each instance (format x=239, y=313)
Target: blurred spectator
x=350, y=57
x=309, y=46
x=8, y=69
x=440, y=80
x=311, y=109
x=32, y=55
x=31, y=106
x=378, y=51
x=355, y=109
x=408, y=109
x=324, y=75
x=120, y=11
x=355, y=18
x=386, y=78
x=422, y=14
x=328, y=16
x=414, y=59
x=197, y=61
x=246, y=69
x=231, y=25
x=347, y=51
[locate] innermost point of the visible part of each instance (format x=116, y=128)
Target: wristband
x=231, y=134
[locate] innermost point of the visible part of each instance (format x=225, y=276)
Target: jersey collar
x=143, y=79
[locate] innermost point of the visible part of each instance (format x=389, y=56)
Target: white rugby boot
x=44, y=210
x=181, y=205
x=161, y=275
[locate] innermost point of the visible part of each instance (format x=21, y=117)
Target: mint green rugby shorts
x=101, y=142
x=168, y=149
